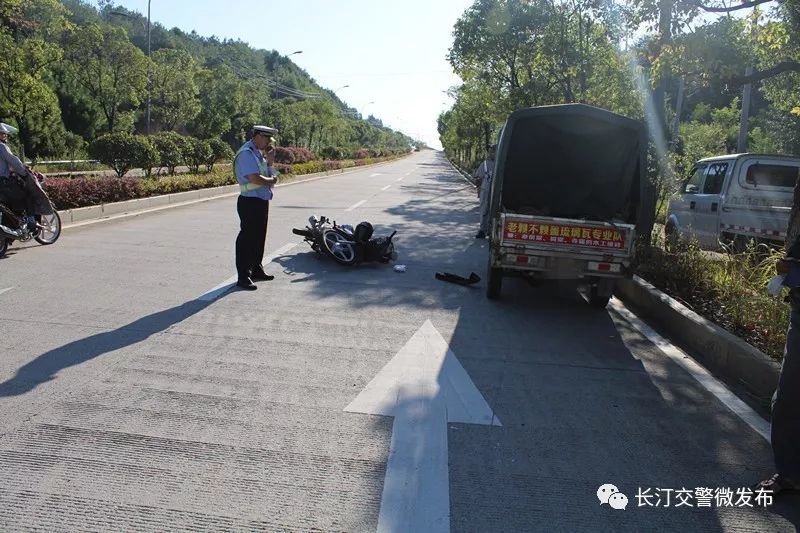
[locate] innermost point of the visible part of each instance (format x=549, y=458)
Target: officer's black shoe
x=246, y=284
x=480, y=235
x=261, y=276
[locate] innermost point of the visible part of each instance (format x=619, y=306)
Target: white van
x=735, y=198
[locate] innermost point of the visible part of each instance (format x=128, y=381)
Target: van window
x=692, y=185
x=772, y=175
x=715, y=178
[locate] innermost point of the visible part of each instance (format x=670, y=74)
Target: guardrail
x=68, y=162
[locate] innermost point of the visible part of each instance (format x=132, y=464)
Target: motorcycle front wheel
x=50, y=229
x=339, y=247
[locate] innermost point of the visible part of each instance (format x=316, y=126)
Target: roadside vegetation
x=83, y=191
x=727, y=288
x=74, y=76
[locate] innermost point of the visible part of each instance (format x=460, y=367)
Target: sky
x=390, y=53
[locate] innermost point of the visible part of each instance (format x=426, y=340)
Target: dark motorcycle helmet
x=363, y=232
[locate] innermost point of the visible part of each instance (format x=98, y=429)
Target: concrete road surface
x=343, y=399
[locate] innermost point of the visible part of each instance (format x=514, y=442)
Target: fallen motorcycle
x=347, y=245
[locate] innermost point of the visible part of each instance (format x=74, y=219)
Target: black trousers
x=786, y=406
x=253, y=215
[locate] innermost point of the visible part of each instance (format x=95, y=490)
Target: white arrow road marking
x=400, y=178
x=383, y=189
x=423, y=387
x=5, y=290
x=715, y=387
x=226, y=285
x=355, y=205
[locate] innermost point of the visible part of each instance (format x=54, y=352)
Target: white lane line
x=400, y=178
x=703, y=376
x=5, y=290
x=386, y=187
x=376, y=174
x=226, y=285
x=355, y=205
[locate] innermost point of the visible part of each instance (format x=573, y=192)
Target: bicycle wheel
x=339, y=247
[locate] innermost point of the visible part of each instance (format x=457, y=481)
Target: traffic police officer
x=253, y=168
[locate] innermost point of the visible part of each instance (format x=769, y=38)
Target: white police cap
x=266, y=130
x=5, y=128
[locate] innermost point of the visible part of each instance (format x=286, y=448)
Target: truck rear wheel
x=600, y=294
x=494, y=282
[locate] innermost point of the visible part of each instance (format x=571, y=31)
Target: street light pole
x=149, y=75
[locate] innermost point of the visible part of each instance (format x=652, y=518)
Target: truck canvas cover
x=572, y=161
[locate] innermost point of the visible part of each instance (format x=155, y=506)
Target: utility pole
x=149, y=67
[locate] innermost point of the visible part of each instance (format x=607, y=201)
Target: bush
x=66, y=193
x=362, y=153
x=220, y=151
x=284, y=155
x=187, y=182
x=170, y=146
x=123, y=151
x=196, y=153
x=307, y=168
x=283, y=168
x=301, y=155
x=333, y=152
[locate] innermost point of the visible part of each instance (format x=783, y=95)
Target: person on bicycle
x=12, y=175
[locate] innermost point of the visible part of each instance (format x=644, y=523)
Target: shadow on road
x=46, y=367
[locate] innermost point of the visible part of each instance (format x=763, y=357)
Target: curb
x=464, y=175
x=721, y=352
x=138, y=206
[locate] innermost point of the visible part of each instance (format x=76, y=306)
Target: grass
x=728, y=289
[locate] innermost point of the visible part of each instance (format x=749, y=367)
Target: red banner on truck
x=574, y=235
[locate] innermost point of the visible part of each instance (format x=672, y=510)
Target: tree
x=110, y=69
x=174, y=90
x=26, y=57
x=219, y=92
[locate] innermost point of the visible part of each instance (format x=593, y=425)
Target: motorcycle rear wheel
x=4, y=246
x=339, y=247
x=50, y=230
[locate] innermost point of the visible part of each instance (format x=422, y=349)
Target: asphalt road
x=127, y=403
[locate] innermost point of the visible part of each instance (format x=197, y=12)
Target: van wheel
x=740, y=243
x=494, y=282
